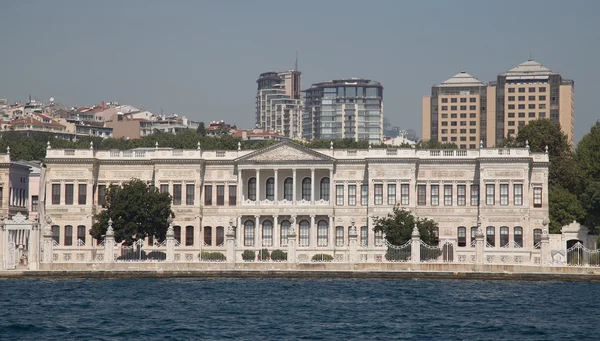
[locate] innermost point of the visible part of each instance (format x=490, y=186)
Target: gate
x=579, y=255
x=18, y=247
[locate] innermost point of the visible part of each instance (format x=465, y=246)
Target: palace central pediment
x=284, y=152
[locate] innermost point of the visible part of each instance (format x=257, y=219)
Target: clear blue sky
x=201, y=58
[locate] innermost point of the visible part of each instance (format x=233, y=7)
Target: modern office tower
x=456, y=112
x=345, y=108
x=279, y=103
x=465, y=111
x=530, y=91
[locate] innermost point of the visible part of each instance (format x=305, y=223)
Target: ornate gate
x=19, y=243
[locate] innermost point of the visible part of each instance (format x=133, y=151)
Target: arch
x=504, y=236
x=518, y=236
x=304, y=233
x=208, y=235
x=270, y=189
x=288, y=189
x=283, y=235
x=252, y=188
x=461, y=233
x=81, y=233
x=249, y=233
x=537, y=238
x=68, y=235
x=324, y=189
x=306, y=188
x=267, y=233
x=189, y=235
x=490, y=235
x=575, y=254
x=177, y=230
x=322, y=233
x=473, y=235
x=220, y=235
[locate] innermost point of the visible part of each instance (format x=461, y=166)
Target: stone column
x=545, y=245
x=294, y=183
x=312, y=186
x=479, y=244
x=109, y=244
x=240, y=232
x=331, y=187
x=240, y=188
x=170, y=241
x=353, y=242
x=291, y=247
x=415, y=245
x=257, y=234
x=312, y=233
x=275, y=177
x=258, y=186
x=230, y=243
x=275, y=232
x=331, y=241
x=34, y=247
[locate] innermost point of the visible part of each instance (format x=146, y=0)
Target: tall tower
x=279, y=103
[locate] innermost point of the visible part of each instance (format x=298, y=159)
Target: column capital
x=312, y=216
x=275, y=216
x=257, y=217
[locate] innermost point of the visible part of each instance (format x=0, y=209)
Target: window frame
x=421, y=195
x=325, y=189
x=391, y=194
x=434, y=195
x=352, y=195
x=378, y=194
x=490, y=195
x=208, y=195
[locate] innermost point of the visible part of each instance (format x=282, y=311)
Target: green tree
x=590, y=201
x=137, y=211
x=564, y=208
x=398, y=226
x=201, y=129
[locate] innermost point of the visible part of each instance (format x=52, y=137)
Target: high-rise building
x=456, y=112
x=345, y=108
x=465, y=111
x=279, y=103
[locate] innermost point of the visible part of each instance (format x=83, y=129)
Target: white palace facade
x=321, y=193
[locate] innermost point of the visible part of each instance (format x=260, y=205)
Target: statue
x=353, y=226
x=231, y=228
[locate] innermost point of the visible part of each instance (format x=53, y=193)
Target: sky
x=201, y=59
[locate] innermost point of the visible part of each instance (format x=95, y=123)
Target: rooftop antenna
x=530, y=57
x=296, y=65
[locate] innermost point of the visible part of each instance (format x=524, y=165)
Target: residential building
x=345, y=108
x=279, y=103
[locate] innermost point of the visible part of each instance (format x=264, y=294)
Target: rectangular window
x=189, y=194
x=177, y=194
x=208, y=195
x=102, y=195
x=537, y=197
x=518, y=194
x=511, y=98
x=463, y=100
x=351, y=195
x=220, y=195
x=378, y=238
x=378, y=194
x=80, y=235
x=339, y=236
x=421, y=194
x=504, y=236
x=391, y=194
x=232, y=195
x=55, y=233
x=189, y=236
x=521, y=90
x=68, y=235
x=339, y=195
x=435, y=195
x=491, y=235
x=447, y=195
x=511, y=90
x=474, y=195
x=82, y=194
x=164, y=188
x=364, y=236
x=490, y=194
x=55, y=194
x=404, y=194
x=462, y=236
x=34, y=202
x=503, y=194
x=461, y=195
x=69, y=194
x=364, y=195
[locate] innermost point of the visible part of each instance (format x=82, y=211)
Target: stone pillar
x=170, y=241
x=240, y=232
x=312, y=233
x=257, y=229
x=34, y=247
x=545, y=245
x=312, y=186
x=331, y=241
x=109, y=244
x=353, y=242
x=479, y=244
x=258, y=186
x=291, y=246
x=240, y=188
x=275, y=232
x=275, y=177
x=331, y=187
x=295, y=184
x=415, y=245
x=230, y=243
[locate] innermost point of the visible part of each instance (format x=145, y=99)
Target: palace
x=320, y=193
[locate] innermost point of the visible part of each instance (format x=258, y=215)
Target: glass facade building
x=346, y=108
x=279, y=103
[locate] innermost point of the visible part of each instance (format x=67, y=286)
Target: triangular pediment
x=284, y=152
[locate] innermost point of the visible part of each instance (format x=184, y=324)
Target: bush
x=278, y=255
x=248, y=255
x=212, y=256
x=264, y=254
x=322, y=257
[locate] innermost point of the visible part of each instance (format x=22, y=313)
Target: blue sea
x=297, y=309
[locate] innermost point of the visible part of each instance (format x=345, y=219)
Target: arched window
x=504, y=236
x=519, y=236
x=288, y=189
x=249, y=233
x=68, y=235
x=537, y=238
x=207, y=235
x=285, y=227
x=81, y=235
x=270, y=189
x=462, y=236
x=324, y=195
x=189, y=236
x=252, y=189
x=491, y=235
x=306, y=186
x=322, y=233
x=220, y=235
x=267, y=233
x=473, y=235
x=56, y=234
x=177, y=230
x=304, y=233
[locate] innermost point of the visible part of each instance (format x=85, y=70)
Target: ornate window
x=189, y=236
x=220, y=195
x=208, y=235
x=68, y=235
x=537, y=238
x=324, y=195
x=435, y=195
x=404, y=194
x=56, y=194
x=177, y=194
x=220, y=235
x=285, y=227
x=537, y=197
x=252, y=189
x=378, y=194
x=490, y=194
x=306, y=188
x=208, y=195
x=339, y=195
x=421, y=195
x=447, y=195
x=288, y=189
x=491, y=235
x=504, y=236
x=364, y=236
x=503, y=194
x=461, y=195
x=267, y=233
x=81, y=235
x=322, y=233
x=177, y=230
x=462, y=236
x=518, y=194
x=339, y=236
x=189, y=194
x=304, y=233
x=270, y=189
x=249, y=232
x=56, y=233
x=519, y=236
x=474, y=195
x=351, y=195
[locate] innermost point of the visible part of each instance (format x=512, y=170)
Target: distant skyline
x=201, y=59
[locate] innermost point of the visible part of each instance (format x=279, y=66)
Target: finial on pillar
x=198, y=145
x=156, y=145
x=527, y=144
x=546, y=150
x=91, y=145
x=239, y=145
x=415, y=231
x=331, y=145
x=370, y=146
x=48, y=145
x=110, y=230
x=8, y=150
x=480, y=144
